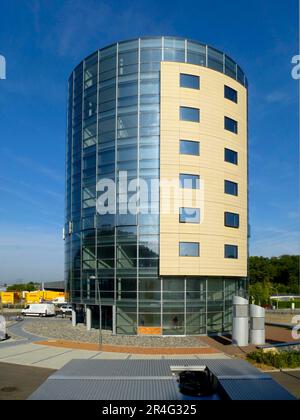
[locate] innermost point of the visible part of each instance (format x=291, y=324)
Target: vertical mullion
x=71, y=193
x=116, y=177
x=138, y=183
x=81, y=183
x=185, y=306
x=223, y=297
x=161, y=304
x=97, y=173
x=206, y=304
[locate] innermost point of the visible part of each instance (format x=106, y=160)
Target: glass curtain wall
x=113, y=126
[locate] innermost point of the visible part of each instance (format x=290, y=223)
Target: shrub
x=281, y=360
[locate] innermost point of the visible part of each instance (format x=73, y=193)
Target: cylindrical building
x=142, y=113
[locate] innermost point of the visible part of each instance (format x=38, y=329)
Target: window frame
x=231, y=120
x=236, y=161
x=196, y=178
x=183, y=210
x=228, y=182
x=183, y=141
x=185, y=108
x=227, y=91
x=189, y=243
x=232, y=247
x=191, y=77
x=236, y=224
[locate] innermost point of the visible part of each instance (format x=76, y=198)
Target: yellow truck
x=50, y=295
x=43, y=296
x=34, y=297
x=10, y=298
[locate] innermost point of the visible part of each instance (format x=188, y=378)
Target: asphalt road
x=19, y=382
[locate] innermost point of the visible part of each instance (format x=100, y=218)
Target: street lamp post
x=97, y=288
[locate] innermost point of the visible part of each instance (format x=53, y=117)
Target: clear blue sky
x=43, y=40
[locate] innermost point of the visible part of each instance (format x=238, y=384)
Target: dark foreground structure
x=157, y=380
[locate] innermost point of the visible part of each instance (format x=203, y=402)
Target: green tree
x=260, y=293
x=282, y=272
x=22, y=287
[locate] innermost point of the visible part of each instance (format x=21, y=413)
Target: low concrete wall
x=278, y=348
x=284, y=317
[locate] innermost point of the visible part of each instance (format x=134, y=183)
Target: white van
x=59, y=301
x=39, y=309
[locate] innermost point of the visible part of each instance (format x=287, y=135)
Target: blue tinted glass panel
x=241, y=76
x=230, y=94
x=231, y=125
x=231, y=251
x=174, y=55
x=215, y=59
x=189, y=215
x=190, y=181
x=230, y=67
x=189, y=147
x=189, y=114
x=232, y=220
x=231, y=188
x=231, y=156
x=196, y=53
x=189, y=81
x=189, y=249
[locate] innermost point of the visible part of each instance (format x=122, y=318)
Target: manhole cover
x=9, y=389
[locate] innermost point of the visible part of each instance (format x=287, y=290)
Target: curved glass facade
x=114, y=126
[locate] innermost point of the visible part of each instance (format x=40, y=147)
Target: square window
x=232, y=220
x=231, y=188
x=188, y=147
x=189, y=215
x=231, y=125
x=189, y=181
x=189, y=249
x=231, y=251
x=189, y=81
x=189, y=114
x=231, y=156
x=230, y=94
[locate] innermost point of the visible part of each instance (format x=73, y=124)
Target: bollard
x=257, y=325
x=88, y=318
x=74, y=316
x=240, y=327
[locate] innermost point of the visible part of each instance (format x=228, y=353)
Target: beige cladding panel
x=211, y=233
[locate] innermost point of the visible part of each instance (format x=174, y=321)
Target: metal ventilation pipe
x=257, y=325
x=240, y=327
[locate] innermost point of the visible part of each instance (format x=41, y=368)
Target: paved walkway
x=274, y=335
x=46, y=356
x=32, y=350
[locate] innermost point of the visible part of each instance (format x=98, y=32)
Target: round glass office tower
x=142, y=111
